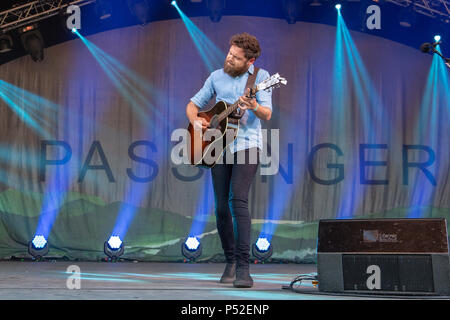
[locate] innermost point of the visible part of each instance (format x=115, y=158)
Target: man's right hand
x=200, y=123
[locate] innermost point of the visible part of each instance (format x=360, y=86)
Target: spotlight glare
x=338, y=6
x=174, y=3
x=191, y=248
x=262, y=249
x=114, y=242
x=437, y=38
x=38, y=247
x=262, y=244
x=39, y=242
x=192, y=243
x=114, y=247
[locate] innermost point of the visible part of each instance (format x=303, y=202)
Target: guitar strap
x=250, y=84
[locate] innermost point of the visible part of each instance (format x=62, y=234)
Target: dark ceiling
x=422, y=30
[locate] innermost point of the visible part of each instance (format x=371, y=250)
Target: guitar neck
x=235, y=105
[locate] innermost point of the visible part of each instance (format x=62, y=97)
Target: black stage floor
x=49, y=280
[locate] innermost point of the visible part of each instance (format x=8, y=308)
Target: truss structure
x=37, y=10
x=34, y=11
x=439, y=9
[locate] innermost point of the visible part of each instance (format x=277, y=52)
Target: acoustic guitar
x=206, y=145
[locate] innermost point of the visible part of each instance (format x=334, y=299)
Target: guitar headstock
x=275, y=81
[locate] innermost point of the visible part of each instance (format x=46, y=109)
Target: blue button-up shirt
x=229, y=89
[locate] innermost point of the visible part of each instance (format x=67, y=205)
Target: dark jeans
x=231, y=187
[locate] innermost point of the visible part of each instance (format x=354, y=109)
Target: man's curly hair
x=248, y=43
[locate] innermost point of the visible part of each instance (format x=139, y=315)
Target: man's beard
x=233, y=71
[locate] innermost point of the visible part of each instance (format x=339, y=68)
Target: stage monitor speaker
x=383, y=256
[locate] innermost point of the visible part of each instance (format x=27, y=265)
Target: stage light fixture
x=6, y=43
x=174, y=3
x=338, y=6
x=191, y=248
x=33, y=42
x=38, y=247
x=315, y=3
x=291, y=10
x=215, y=9
x=103, y=9
x=262, y=249
x=114, y=247
x=407, y=16
x=140, y=9
x=437, y=38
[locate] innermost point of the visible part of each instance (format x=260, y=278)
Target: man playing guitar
x=232, y=181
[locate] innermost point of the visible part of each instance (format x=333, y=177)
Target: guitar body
x=206, y=146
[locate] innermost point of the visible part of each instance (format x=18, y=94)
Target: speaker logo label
x=377, y=236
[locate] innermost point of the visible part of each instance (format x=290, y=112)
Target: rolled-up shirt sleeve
x=205, y=94
x=264, y=97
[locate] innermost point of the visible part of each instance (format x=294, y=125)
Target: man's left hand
x=247, y=103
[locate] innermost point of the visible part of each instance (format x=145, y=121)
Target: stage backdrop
x=86, y=138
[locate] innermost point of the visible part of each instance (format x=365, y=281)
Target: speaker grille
x=379, y=273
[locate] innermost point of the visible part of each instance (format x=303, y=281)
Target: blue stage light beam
x=369, y=103
x=340, y=81
x=213, y=58
x=138, y=93
x=30, y=108
x=211, y=55
x=341, y=101
x=286, y=182
x=126, y=81
x=132, y=88
x=35, y=111
x=205, y=206
x=145, y=176
x=57, y=187
x=430, y=131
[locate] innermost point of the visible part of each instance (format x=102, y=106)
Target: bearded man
x=232, y=181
